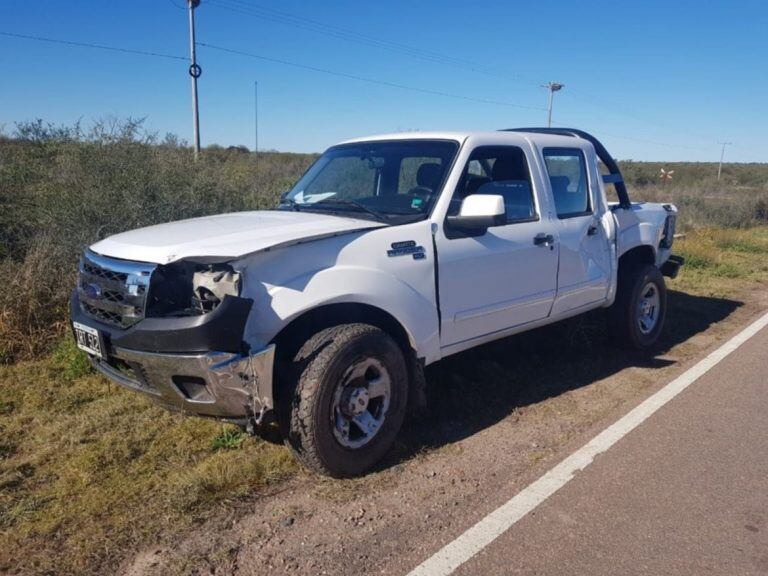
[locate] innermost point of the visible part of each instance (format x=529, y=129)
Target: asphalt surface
x=684, y=493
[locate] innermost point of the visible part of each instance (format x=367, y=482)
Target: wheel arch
x=300, y=328
x=643, y=254
x=290, y=339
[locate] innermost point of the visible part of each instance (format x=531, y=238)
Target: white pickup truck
x=390, y=253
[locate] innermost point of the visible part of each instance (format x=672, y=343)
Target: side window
x=568, y=175
x=502, y=171
x=475, y=168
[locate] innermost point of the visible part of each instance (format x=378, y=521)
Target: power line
x=616, y=109
x=367, y=79
x=349, y=35
x=89, y=45
x=324, y=71
x=275, y=61
x=270, y=14
x=641, y=140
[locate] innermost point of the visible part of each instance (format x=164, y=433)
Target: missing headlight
x=210, y=286
x=189, y=288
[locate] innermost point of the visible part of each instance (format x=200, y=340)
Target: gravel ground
x=499, y=416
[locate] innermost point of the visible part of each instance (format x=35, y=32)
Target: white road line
x=454, y=554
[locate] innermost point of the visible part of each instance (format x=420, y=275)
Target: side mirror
x=479, y=212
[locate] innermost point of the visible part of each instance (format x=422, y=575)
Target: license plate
x=88, y=339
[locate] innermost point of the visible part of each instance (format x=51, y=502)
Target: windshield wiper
x=290, y=202
x=353, y=204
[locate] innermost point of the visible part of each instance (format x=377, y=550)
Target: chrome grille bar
x=113, y=291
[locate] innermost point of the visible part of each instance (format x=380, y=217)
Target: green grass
x=70, y=361
x=230, y=438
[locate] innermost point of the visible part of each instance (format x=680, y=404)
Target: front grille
x=113, y=291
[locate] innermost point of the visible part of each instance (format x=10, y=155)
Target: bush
x=61, y=189
x=33, y=302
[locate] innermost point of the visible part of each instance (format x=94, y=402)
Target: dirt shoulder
x=499, y=416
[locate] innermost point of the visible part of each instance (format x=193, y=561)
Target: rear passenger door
x=500, y=278
x=585, y=257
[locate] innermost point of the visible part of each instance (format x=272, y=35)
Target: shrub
x=62, y=188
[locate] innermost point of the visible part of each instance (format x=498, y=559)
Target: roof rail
x=614, y=177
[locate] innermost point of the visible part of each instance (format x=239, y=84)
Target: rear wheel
x=637, y=315
x=350, y=390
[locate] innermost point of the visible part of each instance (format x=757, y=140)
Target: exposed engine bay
x=188, y=288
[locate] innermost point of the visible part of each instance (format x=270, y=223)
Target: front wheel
x=637, y=315
x=350, y=390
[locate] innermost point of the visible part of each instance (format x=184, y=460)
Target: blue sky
x=655, y=80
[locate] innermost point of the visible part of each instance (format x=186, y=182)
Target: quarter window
x=567, y=171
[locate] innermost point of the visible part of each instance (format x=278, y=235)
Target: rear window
x=567, y=171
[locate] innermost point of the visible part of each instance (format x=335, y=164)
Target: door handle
x=592, y=230
x=543, y=239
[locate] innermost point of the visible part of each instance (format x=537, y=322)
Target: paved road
x=684, y=493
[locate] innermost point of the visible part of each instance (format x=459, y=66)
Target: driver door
x=504, y=277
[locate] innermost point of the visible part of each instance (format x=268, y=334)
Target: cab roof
x=500, y=136
x=542, y=136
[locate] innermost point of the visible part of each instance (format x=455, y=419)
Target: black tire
x=623, y=316
x=318, y=368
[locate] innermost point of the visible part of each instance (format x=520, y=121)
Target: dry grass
x=719, y=262
x=89, y=471
x=710, y=205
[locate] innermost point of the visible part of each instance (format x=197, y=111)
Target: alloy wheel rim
x=360, y=402
x=648, y=308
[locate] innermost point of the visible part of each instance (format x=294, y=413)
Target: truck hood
x=226, y=236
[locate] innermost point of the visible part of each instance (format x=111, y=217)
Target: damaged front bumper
x=190, y=365
x=215, y=384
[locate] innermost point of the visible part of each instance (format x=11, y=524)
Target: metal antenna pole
x=194, y=72
x=722, y=155
x=552, y=87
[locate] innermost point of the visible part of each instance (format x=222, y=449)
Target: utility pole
x=722, y=155
x=552, y=87
x=194, y=71
x=256, y=116
x=256, y=127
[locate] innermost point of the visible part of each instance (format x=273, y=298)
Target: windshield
x=394, y=182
